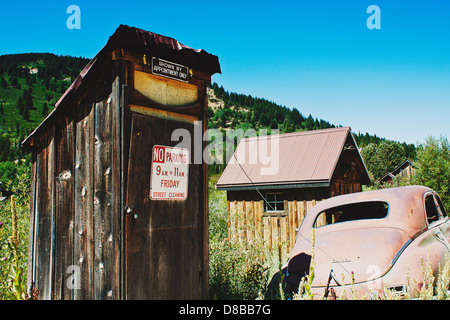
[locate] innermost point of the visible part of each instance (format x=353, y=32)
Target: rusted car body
x=373, y=240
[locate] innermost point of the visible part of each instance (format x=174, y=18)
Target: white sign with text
x=169, y=176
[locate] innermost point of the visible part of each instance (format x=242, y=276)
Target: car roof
x=406, y=208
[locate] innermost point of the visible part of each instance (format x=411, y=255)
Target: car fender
x=408, y=266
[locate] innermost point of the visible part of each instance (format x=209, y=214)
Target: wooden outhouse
x=307, y=167
x=118, y=208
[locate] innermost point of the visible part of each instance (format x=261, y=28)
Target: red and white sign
x=169, y=177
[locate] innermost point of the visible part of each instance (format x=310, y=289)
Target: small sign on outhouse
x=118, y=208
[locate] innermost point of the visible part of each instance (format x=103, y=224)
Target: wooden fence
x=247, y=221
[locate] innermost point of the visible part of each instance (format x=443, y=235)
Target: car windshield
x=351, y=212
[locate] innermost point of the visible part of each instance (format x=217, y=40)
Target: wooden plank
x=289, y=225
x=84, y=200
x=270, y=233
x=123, y=79
x=283, y=230
x=236, y=221
x=299, y=213
x=304, y=209
x=103, y=200
x=253, y=217
x=228, y=219
x=117, y=184
x=32, y=226
x=258, y=219
x=165, y=91
x=231, y=220
x=295, y=224
x=250, y=221
x=266, y=230
x=44, y=225
x=163, y=114
x=242, y=222
x=64, y=183
x=204, y=210
x=274, y=231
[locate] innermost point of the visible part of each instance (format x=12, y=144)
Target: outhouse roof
x=138, y=41
x=304, y=159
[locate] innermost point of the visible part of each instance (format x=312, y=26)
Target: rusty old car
x=371, y=241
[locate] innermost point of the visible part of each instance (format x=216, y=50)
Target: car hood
x=362, y=253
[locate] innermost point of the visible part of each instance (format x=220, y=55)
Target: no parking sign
x=169, y=176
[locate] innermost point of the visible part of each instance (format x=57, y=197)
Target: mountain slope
x=30, y=85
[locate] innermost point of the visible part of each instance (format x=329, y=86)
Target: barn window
x=351, y=212
x=275, y=202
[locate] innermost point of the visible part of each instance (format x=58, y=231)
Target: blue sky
x=315, y=55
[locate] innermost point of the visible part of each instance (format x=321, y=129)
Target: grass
x=239, y=270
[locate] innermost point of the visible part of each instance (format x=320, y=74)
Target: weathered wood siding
x=76, y=201
x=163, y=239
x=248, y=219
x=42, y=221
x=248, y=222
x=96, y=161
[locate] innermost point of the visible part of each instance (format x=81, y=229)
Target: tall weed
x=14, y=225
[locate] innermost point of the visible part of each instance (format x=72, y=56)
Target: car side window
x=352, y=212
x=432, y=211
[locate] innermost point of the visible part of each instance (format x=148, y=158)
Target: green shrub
x=14, y=218
x=238, y=269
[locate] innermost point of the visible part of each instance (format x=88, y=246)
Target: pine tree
x=4, y=83
x=20, y=105
x=26, y=114
x=14, y=82
x=27, y=97
x=45, y=109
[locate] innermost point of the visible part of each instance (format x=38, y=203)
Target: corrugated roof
x=305, y=158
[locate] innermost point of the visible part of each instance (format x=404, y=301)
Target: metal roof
x=304, y=159
x=391, y=175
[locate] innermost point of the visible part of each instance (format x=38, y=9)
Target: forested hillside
x=233, y=111
x=31, y=84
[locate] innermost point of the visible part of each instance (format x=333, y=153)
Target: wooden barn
x=117, y=210
x=312, y=166
x=404, y=169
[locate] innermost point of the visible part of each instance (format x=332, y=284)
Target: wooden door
x=163, y=242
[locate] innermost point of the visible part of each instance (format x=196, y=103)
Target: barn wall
x=349, y=172
x=76, y=200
